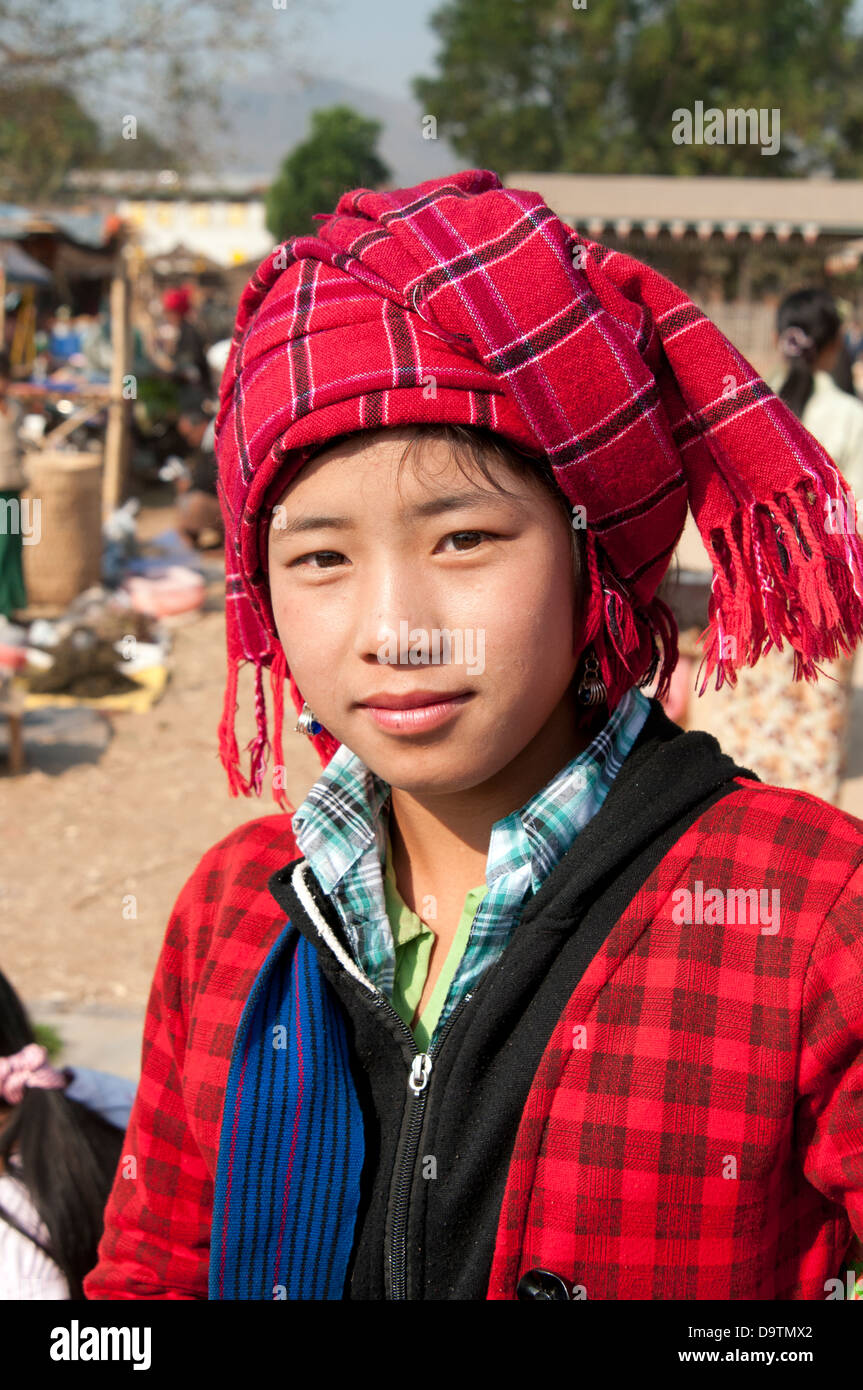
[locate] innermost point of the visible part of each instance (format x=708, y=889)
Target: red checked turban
x=570, y=350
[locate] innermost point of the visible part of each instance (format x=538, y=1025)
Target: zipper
x=417, y=1082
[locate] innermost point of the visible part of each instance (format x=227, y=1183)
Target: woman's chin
x=449, y=766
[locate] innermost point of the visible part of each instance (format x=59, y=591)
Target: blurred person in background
x=61, y=1137
x=853, y=352
x=13, y=478
x=65, y=339
x=96, y=343
x=200, y=515
x=843, y=369
x=811, y=340
x=177, y=347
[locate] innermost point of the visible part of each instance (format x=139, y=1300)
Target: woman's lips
x=415, y=713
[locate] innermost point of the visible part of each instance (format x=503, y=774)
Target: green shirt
x=413, y=941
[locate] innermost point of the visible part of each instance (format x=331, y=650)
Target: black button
x=541, y=1283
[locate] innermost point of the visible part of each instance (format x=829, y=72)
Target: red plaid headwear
x=461, y=300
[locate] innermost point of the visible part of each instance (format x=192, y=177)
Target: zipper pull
x=420, y=1072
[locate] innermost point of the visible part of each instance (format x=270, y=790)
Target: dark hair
x=68, y=1156
x=814, y=311
x=5, y=363
x=843, y=373
x=196, y=413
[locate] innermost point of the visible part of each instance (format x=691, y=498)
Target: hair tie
x=28, y=1068
x=794, y=342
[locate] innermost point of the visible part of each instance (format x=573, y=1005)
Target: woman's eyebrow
x=435, y=506
x=452, y=502
x=300, y=524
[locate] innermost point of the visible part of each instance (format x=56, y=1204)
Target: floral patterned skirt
x=790, y=733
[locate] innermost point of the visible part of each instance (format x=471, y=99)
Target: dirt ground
x=126, y=810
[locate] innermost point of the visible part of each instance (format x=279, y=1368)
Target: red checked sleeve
x=830, y=1076
x=156, y=1242
x=156, y=1239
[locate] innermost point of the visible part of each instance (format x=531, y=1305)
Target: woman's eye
x=472, y=537
x=325, y=556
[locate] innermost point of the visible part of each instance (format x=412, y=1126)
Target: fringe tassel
x=593, y=616
x=278, y=672
x=260, y=744
x=663, y=626
x=780, y=574
x=228, y=751
x=631, y=643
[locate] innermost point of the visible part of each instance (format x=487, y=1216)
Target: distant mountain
x=265, y=122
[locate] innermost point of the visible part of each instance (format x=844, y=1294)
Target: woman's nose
x=391, y=603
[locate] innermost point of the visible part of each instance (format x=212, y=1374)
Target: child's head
x=429, y=559
x=462, y=302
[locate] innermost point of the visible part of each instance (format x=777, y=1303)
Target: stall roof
x=84, y=228
x=22, y=269
x=733, y=206
x=13, y=220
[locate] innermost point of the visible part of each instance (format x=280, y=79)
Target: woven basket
x=67, y=558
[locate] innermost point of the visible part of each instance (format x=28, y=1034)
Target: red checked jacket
x=630, y=1106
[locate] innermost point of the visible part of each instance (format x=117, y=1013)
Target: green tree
x=44, y=133
x=339, y=154
x=541, y=85
x=162, y=61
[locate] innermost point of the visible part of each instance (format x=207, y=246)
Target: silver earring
x=592, y=689
x=307, y=723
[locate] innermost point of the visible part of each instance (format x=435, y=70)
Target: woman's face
x=425, y=587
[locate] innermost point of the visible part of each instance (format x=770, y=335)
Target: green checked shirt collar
x=341, y=830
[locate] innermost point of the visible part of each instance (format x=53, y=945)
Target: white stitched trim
x=324, y=930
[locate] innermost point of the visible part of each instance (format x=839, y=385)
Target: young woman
x=535, y=995
x=61, y=1130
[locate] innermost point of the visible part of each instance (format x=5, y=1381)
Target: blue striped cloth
x=291, y=1148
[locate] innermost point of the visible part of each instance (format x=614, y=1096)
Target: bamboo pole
x=22, y=351
x=117, y=433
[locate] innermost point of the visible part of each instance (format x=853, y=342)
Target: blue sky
x=380, y=44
